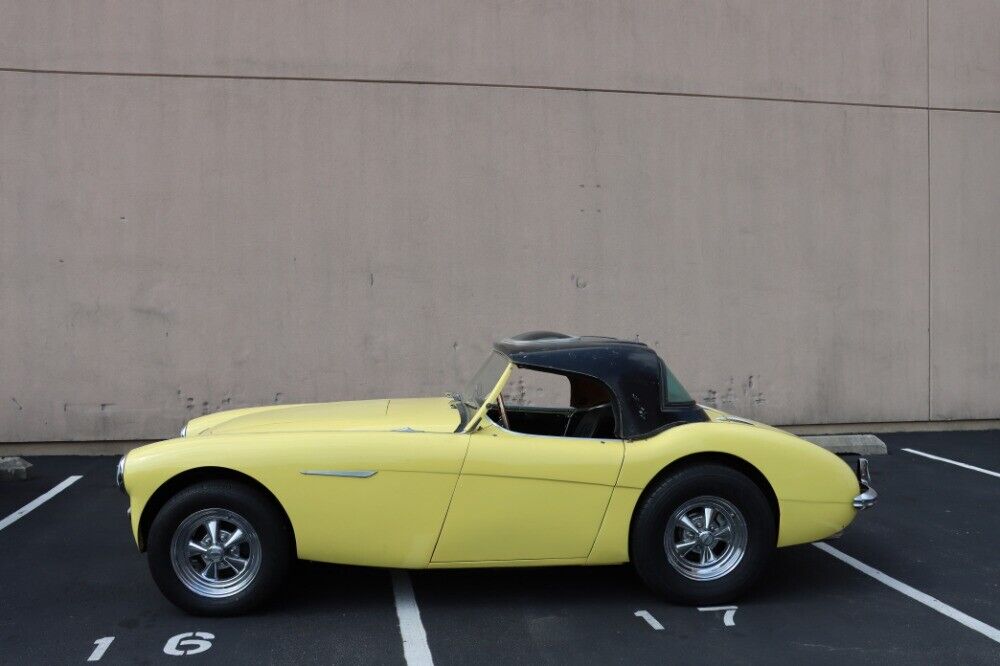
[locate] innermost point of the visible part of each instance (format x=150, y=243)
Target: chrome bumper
x=868, y=496
x=120, y=475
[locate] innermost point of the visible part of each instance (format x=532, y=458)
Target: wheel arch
x=189, y=477
x=710, y=457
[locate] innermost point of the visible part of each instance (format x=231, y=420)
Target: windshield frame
x=494, y=372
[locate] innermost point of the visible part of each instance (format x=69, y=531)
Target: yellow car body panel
x=489, y=497
x=816, y=485
x=814, y=488
x=391, y=518
x=489, y=564
x=611, y=545
x=424, y=414
x=528, y=497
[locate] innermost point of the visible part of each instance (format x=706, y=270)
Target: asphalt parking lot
x=73, y=588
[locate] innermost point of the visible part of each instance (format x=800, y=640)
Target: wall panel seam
x=480, y=84
x=930, y=367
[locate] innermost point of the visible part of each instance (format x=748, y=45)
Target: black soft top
x=632, y=372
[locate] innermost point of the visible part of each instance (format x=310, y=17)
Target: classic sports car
x=632, y=470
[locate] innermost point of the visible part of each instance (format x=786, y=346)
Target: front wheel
x=703, y=535
x=219, y=548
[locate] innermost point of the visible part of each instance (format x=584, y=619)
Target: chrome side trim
x=868, y=496
x=350, y=473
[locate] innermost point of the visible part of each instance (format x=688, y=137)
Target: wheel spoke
x=709, y=514
x=686, y=522
x=211, y=571
x=195, y=548
x=685, y=547
x=706, y=555
x=723, y=532
x=237, y=564
x=234, y=538
x=213, y=531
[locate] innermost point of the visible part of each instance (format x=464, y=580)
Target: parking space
x=72, y=580
x=810, y=608
x=936, y=525
x=72, y=576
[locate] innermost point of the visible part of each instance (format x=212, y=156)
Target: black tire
x=272, y=532
x=690, y=485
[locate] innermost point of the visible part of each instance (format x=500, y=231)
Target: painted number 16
x=181, y=645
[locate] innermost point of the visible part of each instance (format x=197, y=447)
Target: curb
x=14, y=469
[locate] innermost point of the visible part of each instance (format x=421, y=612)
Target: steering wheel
x=504, y=421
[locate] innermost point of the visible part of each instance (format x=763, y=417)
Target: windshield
x=484, y=381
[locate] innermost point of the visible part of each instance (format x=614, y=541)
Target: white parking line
x=415, y=648
x=37, y=502
x=650, y=620
x=728, y=619
x=926, y=599
x=953, y=462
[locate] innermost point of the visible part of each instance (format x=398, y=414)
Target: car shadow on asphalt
x=317, y=588
x=799, y=573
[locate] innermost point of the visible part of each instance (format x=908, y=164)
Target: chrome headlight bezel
x=120, y=475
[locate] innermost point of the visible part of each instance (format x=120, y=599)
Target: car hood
x=417, y=414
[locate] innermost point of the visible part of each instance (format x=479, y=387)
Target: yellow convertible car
x=630, y=470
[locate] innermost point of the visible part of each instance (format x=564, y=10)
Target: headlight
x=184, y=431
x=120, y=475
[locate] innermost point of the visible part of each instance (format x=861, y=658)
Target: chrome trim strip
x=868, y=496
x=350, y=473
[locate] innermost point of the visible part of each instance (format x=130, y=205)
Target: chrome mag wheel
x=215, y=553
x=706, y=538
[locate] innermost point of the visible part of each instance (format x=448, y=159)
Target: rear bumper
x=868, y=496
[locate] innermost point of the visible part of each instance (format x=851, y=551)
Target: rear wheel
x=703, y=535
x=219, y=548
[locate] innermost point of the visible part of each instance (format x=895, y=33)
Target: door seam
x=597, y=534
x=454, y=488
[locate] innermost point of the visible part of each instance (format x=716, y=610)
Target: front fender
x=390, y=517
x=151, y=467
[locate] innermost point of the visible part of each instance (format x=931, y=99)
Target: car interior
x=589, y=414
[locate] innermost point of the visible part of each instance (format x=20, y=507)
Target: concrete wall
x=211, y=205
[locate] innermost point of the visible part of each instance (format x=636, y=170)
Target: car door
x=368, y=498
x=528, y=497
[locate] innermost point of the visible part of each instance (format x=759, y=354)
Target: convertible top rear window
x=674, y=392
